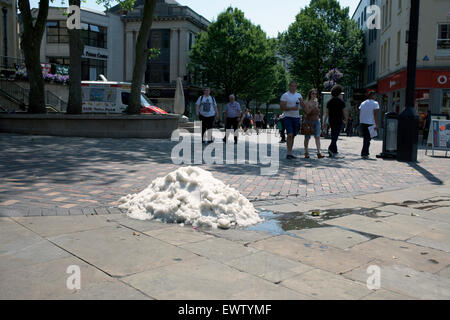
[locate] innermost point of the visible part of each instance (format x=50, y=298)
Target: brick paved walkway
x=42, y=175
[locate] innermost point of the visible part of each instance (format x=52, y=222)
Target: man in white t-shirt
x=290, y=103
x=368, y=117
x=206, y=110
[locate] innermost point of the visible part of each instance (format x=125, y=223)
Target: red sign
x=424, y=79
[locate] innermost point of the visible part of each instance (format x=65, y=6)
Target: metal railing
x=14, y=91
x=21, y=95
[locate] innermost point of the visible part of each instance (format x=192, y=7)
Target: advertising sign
x=440, y=135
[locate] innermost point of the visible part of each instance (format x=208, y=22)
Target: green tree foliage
x=235, y=56
x=323, y=37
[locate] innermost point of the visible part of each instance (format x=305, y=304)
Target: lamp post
x=408, y=121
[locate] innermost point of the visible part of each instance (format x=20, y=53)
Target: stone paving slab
x=204, y=279
x=407, y=254
x=238, y=235
x=219, y=249
x=407, y=281
x=178, y=235
x=53, y=226
x=380, y=227
x=319, y=284
x=433, y=239
x=14, y=237
x=319, y=256
x=32, y=253
x=48, y=280
x=119, y=251
x=269, y=266
x=332, y=236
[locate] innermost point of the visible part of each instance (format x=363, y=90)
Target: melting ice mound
x=191, y=195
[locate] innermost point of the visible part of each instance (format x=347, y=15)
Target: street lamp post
x=408, y=121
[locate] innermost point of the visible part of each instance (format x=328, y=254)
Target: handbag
x=307, y=128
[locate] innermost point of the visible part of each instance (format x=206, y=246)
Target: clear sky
x=272, y=16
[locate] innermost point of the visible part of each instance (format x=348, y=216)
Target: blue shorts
x=317, y=129
x=292, y=125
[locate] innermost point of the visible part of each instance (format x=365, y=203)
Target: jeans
x=367, y=138
x=335, y=131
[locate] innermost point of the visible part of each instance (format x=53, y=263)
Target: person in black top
x=336, y=115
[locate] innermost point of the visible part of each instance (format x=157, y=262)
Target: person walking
x=336, y=114
x=232, y=115
x=246, y=120
x=281, y=129
x=258, y=121
x=206, y=110
x=368, y=117
x=312, y=115
x=290, y=103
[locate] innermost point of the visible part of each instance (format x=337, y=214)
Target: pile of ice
x=193, y=196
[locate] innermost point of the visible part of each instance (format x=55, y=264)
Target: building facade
x=9, y=36
x=102, y=54
x=387, y=57
x=173, y=32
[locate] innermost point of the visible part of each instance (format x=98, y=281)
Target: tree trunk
x=76, y=50
x=141, y=57
x=31, y=45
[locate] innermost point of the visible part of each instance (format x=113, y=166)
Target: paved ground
x=58, y=198
x=62, y=176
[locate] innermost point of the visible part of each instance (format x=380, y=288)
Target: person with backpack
x=206, y=110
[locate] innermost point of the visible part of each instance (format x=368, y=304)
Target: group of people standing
x=290, y=103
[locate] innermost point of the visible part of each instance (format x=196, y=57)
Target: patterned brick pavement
x=41, y=175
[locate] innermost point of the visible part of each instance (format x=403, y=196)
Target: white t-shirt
x=366, y=111
x=292, y=100
x=206, y=106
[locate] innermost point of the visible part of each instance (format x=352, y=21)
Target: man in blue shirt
x=232, y=114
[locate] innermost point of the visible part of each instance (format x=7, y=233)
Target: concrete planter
x=94, y=126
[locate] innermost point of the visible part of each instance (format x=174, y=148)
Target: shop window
x=57, y=32
x=443, y=40
x=445, y=102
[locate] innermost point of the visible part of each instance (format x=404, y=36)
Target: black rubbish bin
x=390, y=136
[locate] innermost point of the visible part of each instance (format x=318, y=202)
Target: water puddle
x=283, y=223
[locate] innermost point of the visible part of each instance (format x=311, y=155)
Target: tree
x=33, y=32
x=234, y=56
x=323, y=37
x=74, y=105
x=141, y=56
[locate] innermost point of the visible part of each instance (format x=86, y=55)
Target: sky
x=272, y=16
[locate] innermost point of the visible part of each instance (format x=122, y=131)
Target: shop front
x=432, y=91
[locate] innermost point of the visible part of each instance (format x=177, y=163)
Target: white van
x=112, y=97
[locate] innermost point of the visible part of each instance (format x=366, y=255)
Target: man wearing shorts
x=290, y=103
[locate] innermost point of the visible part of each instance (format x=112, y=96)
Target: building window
x=92, y=68
x=443, y=40
x=399, y=35
x=93, y=35
x=389, y=54
x=158, y=69
x=399, y=5
x=390, y=11
x=57, y=32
